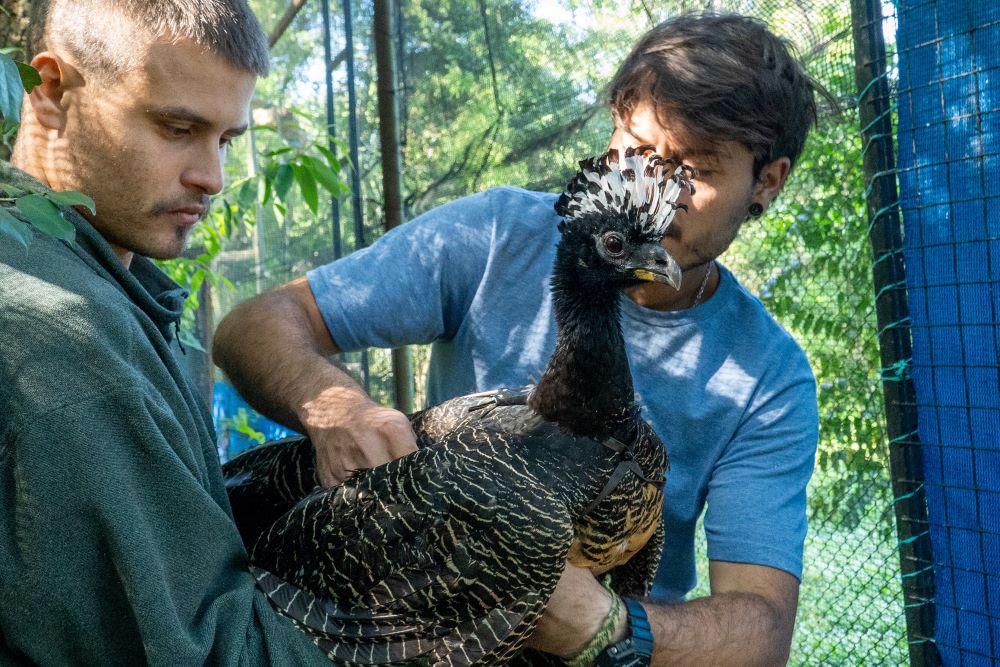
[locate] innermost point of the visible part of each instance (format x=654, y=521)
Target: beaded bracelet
x=603, y=636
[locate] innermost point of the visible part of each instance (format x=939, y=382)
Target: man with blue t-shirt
x=728, y=391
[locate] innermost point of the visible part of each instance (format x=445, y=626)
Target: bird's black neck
x=587, y=386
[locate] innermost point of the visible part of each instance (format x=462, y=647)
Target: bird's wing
x=265, y=482
x=438, y=423
x=341, y=631
x=445, y=555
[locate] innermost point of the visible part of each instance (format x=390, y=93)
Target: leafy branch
x=283, y=174
x=46, y=211
x=15, y=77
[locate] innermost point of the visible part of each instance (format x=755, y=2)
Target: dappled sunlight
x=70, y=325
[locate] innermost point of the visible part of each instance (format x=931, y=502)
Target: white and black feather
x=641, y=185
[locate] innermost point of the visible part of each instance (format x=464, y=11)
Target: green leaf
x=275, y=212
x=324, y=175
x=227, y=215
x=246, y=198
x=11, y=90
x=251, y=433
x=11, y=190
x=8, y=128
x=240, y=422
x=302, y=113
x=331, y=159
x=197, y=280
x=45, y=216
x=307, y=185
x=283, y=179
x=29, y=76
x=72, y=199
x=268, y=191
x=14, y=228
x=339, y=143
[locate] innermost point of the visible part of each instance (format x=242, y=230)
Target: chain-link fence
x=501, y=92
x=948, y=121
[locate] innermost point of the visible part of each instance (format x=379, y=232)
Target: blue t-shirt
x=727, y=389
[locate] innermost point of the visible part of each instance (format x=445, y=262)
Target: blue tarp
x=949, y=167
x=226, y=405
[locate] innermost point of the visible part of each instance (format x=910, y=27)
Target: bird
x=448, y=555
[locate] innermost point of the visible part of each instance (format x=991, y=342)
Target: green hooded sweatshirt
x=117, y=544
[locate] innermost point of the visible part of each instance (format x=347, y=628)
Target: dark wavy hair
x=723, y=77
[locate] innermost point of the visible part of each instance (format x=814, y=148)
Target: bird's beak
x=652, y=263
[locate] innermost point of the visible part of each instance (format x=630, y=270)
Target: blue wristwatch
x=637, y=648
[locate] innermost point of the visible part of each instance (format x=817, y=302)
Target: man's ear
x=771, y=180
x=47, y=98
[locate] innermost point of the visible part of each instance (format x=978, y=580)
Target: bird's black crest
x=641, y=185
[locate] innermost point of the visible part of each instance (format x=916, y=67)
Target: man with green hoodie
x=116, y=539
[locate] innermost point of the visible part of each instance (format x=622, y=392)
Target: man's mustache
x=182, y=203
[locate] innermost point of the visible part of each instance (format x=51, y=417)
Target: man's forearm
x=747, y=621
x=276, y=349
x=269, y=350
x=739, y=629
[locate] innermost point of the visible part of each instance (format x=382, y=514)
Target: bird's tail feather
x=357, y=635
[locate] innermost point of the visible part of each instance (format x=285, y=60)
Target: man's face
x=149, y=147
x=724, y=189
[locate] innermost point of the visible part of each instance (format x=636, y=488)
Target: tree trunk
x=14, y=23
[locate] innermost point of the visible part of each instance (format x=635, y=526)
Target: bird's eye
x=614, y=244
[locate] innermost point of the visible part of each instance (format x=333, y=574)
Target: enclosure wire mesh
x=948, y=123
x=808, y=260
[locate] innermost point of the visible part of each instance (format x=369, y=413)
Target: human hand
x=350, y=431
x=575, y=613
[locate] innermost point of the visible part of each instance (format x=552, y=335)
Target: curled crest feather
x=640, y=184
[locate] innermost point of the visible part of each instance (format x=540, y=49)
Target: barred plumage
x=448, y=556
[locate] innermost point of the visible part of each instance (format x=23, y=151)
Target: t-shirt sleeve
x=756, y=510
x=114, y=550
x=413, y=285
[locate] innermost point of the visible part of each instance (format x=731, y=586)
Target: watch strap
x=636, y=649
